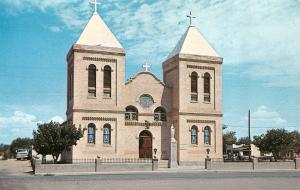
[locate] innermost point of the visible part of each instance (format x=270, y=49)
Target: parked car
x=22, y=154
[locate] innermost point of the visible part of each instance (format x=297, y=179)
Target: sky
x=259, y=41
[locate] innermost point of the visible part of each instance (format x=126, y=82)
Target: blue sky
x=259, y=41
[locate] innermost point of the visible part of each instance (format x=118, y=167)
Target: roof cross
x=146, y=66
x=191, y=18
x=95, y=3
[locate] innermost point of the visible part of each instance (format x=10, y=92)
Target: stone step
x=163, y=163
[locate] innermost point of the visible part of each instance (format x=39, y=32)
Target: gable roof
x=193, y=42
x=96, y=33
x=144, y=72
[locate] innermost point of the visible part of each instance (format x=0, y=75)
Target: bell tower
x=193, y=73
x=95, y=68
x=96, y=78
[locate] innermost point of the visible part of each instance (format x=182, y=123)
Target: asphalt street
x=281, y=180
x=15, y=175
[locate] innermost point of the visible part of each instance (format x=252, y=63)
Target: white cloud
x=55, y=29
x=263, y=116
x=262, y=119
x=57, y=119
x=259, y=36
x=18, y=118
x=19, y=124
x=16, y=123
x=263, y=35
x=72, y=13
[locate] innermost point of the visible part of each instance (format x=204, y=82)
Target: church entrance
x=145, y=144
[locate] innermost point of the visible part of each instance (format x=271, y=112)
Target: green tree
x=4, y=150
x=278, y=141
x=243, y=140
x=53, y=138
x=296, y=136
x=3, y=147
x=228, y=138
x=20, y=143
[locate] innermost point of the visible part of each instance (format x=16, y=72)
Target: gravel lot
x=13, y=167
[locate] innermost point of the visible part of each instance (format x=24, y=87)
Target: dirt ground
x=13, y=167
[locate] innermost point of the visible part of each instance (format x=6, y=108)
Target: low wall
x=219, y=165
x=211, y=164
x=274, y=165
x=106, y=167
x=62, y=168
x=192, y=163
x=96, y=166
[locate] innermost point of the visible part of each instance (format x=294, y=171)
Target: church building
x=129, y=119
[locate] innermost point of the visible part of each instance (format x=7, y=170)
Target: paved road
x=195, y=180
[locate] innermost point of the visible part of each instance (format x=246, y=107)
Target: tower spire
x=95, y=3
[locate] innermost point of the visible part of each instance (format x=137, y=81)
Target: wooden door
x=145, y=145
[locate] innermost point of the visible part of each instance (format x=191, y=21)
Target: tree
x=243, y=140
x=224, y=126
x=20, y=143
x=228, y=138
x=4, y=150
x=53, y=138
x=3, y=147
x=278, y=141
x=296, y=136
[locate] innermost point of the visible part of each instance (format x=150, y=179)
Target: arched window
x=207, y=135
x=131, y=113
x=92, y=80
x=207, y=87
x=106, y=134
x=107, y=81
x=146, y=100
x=194, y=135
x=91, y=133
x=194, y=86
x=160, y=114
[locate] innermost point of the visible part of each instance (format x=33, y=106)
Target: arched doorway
x=145, y=144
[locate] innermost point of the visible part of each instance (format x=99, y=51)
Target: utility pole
x=249, y=133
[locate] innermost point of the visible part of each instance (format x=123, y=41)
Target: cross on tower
x=146, y=66
x=191, y=18
x=95, y=3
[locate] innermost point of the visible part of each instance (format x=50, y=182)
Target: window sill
x=91, y=97
x=194, y=145
x=193, y=101
x=107, y=98
x=207, y=145
x=107, y=145
x=205, y=102
x=90, y=145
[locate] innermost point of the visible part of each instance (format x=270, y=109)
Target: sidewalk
x=180, y=169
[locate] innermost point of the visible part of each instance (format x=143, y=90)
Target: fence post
x=96, y=163
x=208, y=163
x=33, y=162
x=254, y=163
x=297, y=163
x=154, y=164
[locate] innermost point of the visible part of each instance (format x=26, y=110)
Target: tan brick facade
x=173, y=94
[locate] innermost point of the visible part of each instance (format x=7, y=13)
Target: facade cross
x=146, y=66
x=191, y=18
x=95, y=3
